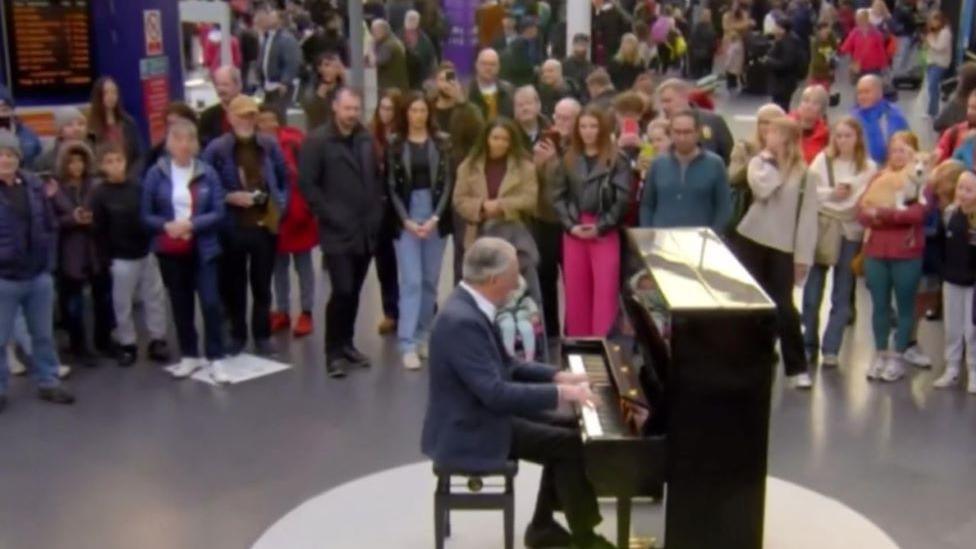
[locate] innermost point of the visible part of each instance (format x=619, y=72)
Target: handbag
x=857, y=262
x=829, y=231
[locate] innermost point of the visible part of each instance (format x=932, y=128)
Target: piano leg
x=623, y=522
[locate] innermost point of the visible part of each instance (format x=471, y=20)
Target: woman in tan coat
x=497, y=181
x=736, y=26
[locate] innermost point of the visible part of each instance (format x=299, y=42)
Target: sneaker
x=64, y=371
x=547, y=534
x=303, y=326
x=894, y=368
x=56, y=395
x=186, y=368
x=948, y=379
x=829, y=361
x=914, y=356
x=423, y=349
x=126, y=356
x=336, y=366
x=411, y=361
x=218, y=372
x=16, y=367
x=159, y=351
x=877, y=367
x=279, y=322
x=387, y=326
x=800, y=381
x=354, y=357
x=265, y=347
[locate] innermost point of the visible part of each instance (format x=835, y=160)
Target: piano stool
x=499, y=498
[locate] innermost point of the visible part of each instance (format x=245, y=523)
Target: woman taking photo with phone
x=777, y=236
x=420, y=183
x=843, y=171
x=591, y=191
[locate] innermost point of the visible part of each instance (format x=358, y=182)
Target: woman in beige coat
x=497, y=181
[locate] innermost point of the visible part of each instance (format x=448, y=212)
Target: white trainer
x=914, y=356
x=16, y=367
x=64, y=371
x=800, y=381
x=423, y=349
x=186, y=368
x=829, y=361
x=894, y=369
x=218, y=372
x=949, y=378
x=877, y=367
x=411, y=361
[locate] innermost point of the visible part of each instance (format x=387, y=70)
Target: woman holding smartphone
x=591, y=192
x=843, y=171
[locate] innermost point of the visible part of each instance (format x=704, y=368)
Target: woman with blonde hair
x=777, y=236
x=843, y=171
x=938, y=46
x=893, y=244
x=627, y=64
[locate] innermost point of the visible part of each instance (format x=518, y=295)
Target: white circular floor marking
x=394, y=508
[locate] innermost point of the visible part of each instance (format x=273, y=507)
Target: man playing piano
x=485, y=407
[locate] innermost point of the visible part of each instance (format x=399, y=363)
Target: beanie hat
x=66, y=115
x=9, y=141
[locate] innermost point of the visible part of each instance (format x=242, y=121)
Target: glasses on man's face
x=683, y=132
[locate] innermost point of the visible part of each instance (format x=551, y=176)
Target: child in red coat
x=298, y=233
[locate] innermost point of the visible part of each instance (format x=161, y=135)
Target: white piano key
x=591, y=421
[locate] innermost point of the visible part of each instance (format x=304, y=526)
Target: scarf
x=876, y=123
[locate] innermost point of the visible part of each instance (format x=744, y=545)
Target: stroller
x=518, y=235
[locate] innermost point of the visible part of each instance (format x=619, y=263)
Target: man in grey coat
x=279, y=59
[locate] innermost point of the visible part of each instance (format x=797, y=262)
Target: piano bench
x=465, y=490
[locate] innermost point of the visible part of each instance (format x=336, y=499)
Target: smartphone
x=552, y=136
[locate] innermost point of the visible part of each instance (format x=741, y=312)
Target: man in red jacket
x=811, y=115
x=298, y=233
x=955, y=135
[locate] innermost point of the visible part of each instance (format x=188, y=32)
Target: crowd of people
x=555, y=152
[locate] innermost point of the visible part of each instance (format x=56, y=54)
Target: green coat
x=391, y=65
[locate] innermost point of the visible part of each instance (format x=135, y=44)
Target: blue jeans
x=35, y=297
x=840, y=301
x=933, y=79
x=902, y=59
x=884, y=276
x=419, y=266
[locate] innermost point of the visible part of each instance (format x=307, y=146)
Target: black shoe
x=236, y=347
x=84, y=358
x=354, y=357
x=3, y=402
x=126, y=356
x=336, y=366
x=265, y=348
x=592, y=541
x=107, y=349
x=56, y=395
x=548, y=534
x=159, y=351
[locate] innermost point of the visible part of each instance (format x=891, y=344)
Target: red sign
x=152, y=24
x=154, y=72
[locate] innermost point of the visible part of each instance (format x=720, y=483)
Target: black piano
x=690, y=410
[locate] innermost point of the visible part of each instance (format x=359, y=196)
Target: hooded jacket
x=79, y=257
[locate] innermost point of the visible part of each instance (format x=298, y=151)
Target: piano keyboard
x=591, y=419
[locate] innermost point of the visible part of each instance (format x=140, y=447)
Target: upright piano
x=690, y=411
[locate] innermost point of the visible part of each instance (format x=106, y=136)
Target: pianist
x=480, y=400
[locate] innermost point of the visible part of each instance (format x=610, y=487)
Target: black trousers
x=347, y=272
x=386, y=272
x=71, y=301
x=279, y=100
x=549, y=241
x=564, y=485
x=773, y=270
x=185, y=277
x=783, y=98
x=249, y=256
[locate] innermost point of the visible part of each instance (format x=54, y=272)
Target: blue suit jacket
x=476, y=389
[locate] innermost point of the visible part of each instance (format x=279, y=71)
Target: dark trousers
x=71, y=301
x=549, y=241
x=249, y=256
x=183, y=276
x=279, y=100
x=460, y=226
x=347, y=272
x=386, y=272
x=783, y=98
x=564, y=485
x=773, y=270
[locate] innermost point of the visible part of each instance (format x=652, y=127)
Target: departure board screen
x=49, y=47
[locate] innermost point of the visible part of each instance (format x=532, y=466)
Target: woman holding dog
x=844, y=170
x=893, y=245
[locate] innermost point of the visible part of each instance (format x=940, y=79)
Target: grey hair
x=527, y=90
x=675, y=84
x=820, y=95
x=233, y=72
x=412, y=16
x=487, y=258
x=572, y=102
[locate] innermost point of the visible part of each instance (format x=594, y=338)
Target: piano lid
x=693, y=269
